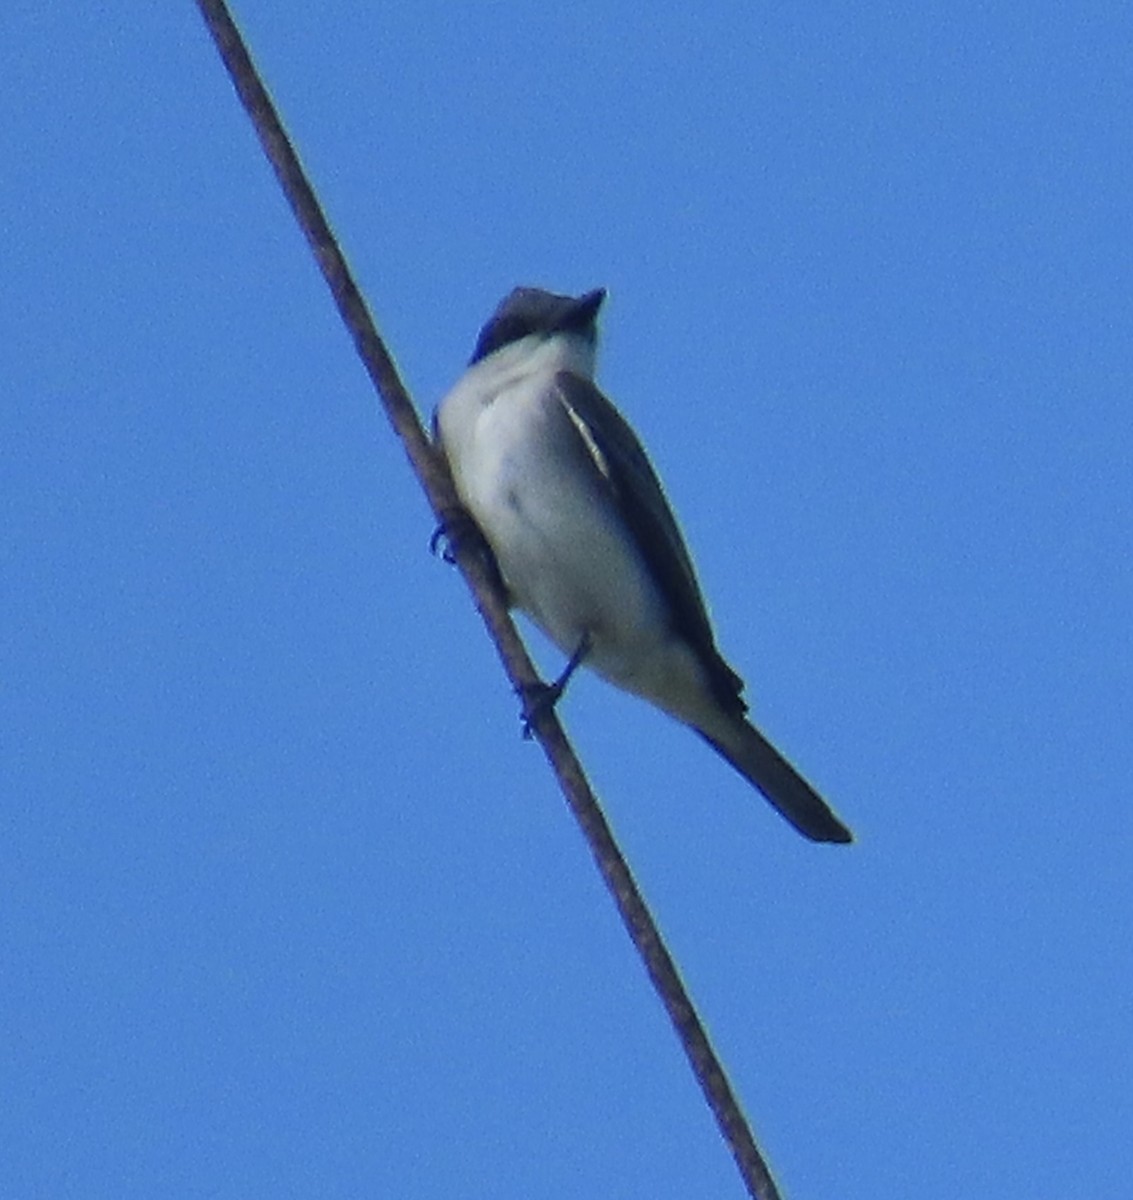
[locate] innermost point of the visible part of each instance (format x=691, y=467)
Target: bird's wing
x=636, y=490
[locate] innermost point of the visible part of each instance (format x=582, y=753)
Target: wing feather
x=635, y=488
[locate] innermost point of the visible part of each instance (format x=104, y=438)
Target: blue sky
x=287, y=907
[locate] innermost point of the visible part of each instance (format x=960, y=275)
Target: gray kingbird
x=584, y=539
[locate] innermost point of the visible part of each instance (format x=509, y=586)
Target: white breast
x=525, y=474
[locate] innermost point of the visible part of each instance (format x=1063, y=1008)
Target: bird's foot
x=458, y=532
x=540, y=698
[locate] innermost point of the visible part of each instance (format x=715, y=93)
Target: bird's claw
x=539, y=699
x=456, y=528
x=457, y=532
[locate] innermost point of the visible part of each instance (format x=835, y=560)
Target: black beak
x=579, y=315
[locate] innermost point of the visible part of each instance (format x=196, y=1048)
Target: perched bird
x=584, y=539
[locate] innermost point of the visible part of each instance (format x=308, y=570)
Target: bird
x=584, y=540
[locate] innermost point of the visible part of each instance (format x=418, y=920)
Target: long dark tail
x=758, y=761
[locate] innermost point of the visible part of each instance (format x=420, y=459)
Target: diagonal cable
x=433, y=474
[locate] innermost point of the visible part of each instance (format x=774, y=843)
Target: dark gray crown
x=526, y=310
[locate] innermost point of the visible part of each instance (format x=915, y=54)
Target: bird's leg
x=458, y=531
x=540, y=698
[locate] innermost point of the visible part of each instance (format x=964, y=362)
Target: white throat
x=535, y=355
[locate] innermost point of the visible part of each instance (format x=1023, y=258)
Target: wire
x=433, y=474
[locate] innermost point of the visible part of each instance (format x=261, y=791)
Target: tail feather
x=758, y=761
